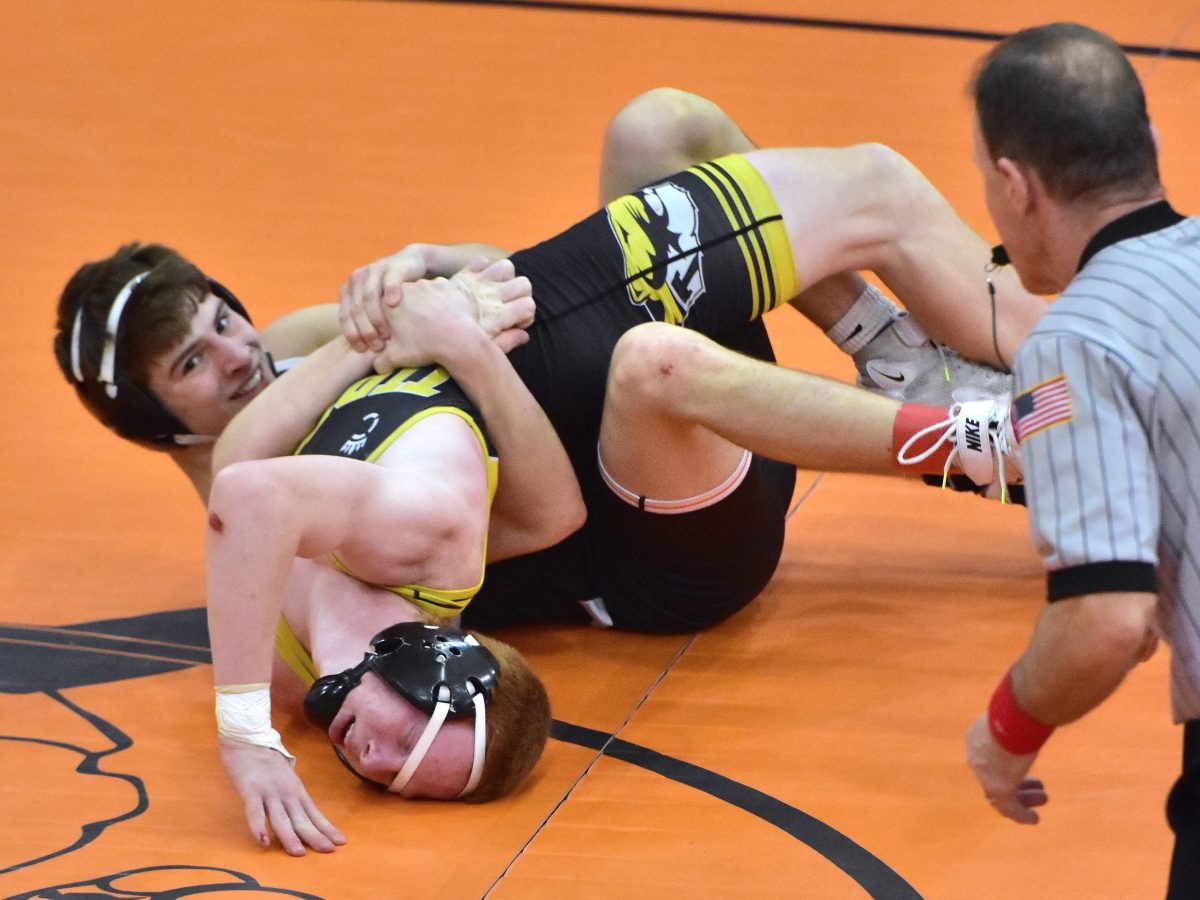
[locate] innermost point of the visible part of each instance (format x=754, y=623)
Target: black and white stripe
x=1120, y=481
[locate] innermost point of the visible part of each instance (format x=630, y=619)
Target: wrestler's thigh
x=841, y=206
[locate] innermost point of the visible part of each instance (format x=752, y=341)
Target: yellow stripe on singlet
x=747, y=200
x=295, y=654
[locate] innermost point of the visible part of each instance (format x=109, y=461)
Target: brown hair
x=518, y=724
x=157, y=318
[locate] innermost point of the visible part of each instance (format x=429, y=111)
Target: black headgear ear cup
x=138, y=414
x=231, y=301
x=327, y=694
x=325, y=698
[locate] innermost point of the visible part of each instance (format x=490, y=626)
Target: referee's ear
x=1022, y=186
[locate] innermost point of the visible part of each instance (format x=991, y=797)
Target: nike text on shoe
x=982, y=446
x=902, y=362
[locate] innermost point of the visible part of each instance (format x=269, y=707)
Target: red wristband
x=1013, y=728
x=911, y=419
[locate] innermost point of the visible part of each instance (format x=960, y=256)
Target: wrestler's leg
x=680, y=408
x=866, y=207
x=666, y=130
x=661, y=132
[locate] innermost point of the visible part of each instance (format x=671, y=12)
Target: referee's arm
x=1081, y=649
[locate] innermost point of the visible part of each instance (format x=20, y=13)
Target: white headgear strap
x=76, y=369
x=404, y=776
x=108, y=361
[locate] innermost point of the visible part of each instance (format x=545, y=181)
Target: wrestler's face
x=376, y=729
x=217, y=369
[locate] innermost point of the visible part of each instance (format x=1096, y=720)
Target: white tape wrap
x=244, y=714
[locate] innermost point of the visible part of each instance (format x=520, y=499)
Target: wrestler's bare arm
x=262, y=515
x=538, y=501
x=274, y=422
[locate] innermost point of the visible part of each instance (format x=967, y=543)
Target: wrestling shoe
x=904, y=363
x=982, y=447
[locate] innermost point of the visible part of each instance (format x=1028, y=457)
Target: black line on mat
x=752, y=18
x=870, y=872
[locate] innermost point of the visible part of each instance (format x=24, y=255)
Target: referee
x=1106, y=405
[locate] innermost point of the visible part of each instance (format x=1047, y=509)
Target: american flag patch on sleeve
x=1043, y=405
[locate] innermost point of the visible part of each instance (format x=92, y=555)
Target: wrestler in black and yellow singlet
x=374, y=412
x=704, y=249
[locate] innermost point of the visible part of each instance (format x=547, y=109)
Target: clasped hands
x=390, y=308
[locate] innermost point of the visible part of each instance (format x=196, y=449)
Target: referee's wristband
x=1013, y=728
x=244, y=715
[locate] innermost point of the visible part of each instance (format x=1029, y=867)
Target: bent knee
x=666, y=129
x=659, y=116
x=892, y=178
x=653, y=361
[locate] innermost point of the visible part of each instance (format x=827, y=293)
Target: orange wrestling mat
x=811, y=747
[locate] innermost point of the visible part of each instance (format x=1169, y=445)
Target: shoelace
x=1000, y=444
x=949, y=429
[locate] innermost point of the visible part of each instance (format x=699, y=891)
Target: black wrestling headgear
x=133, y=411
x=444, y=672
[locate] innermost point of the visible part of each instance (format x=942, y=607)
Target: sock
x=867, y=316
x=910, y=419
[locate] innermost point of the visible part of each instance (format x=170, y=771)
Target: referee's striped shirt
x=1107, y=409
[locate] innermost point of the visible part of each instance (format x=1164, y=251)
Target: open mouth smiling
x=251, y=384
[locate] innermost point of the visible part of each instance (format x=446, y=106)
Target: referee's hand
x=1004, y=775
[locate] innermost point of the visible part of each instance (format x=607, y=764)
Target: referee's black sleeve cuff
x=1100, y=578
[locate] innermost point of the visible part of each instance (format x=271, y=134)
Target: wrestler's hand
x=1004, y=775
x=275, y=800
x=434, y=317
x=503, y=303
x=371, y=288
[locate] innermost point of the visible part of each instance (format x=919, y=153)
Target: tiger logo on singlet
x=658, y=231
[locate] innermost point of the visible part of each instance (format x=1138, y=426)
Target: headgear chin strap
x=135, y=412
x=404, y=776
x=442, y=671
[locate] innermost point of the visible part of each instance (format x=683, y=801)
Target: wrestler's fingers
x=477, y=264
x=380, y=329
x=256, y=819
x=327, y=828
x=519, y=313
x=514, y=288
x=392, y=286
x=511, y=339
x=346, y=320
x=311, y=827
x=366, y=328
x=499, y=270
x=281, y=824
x=367, y=312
